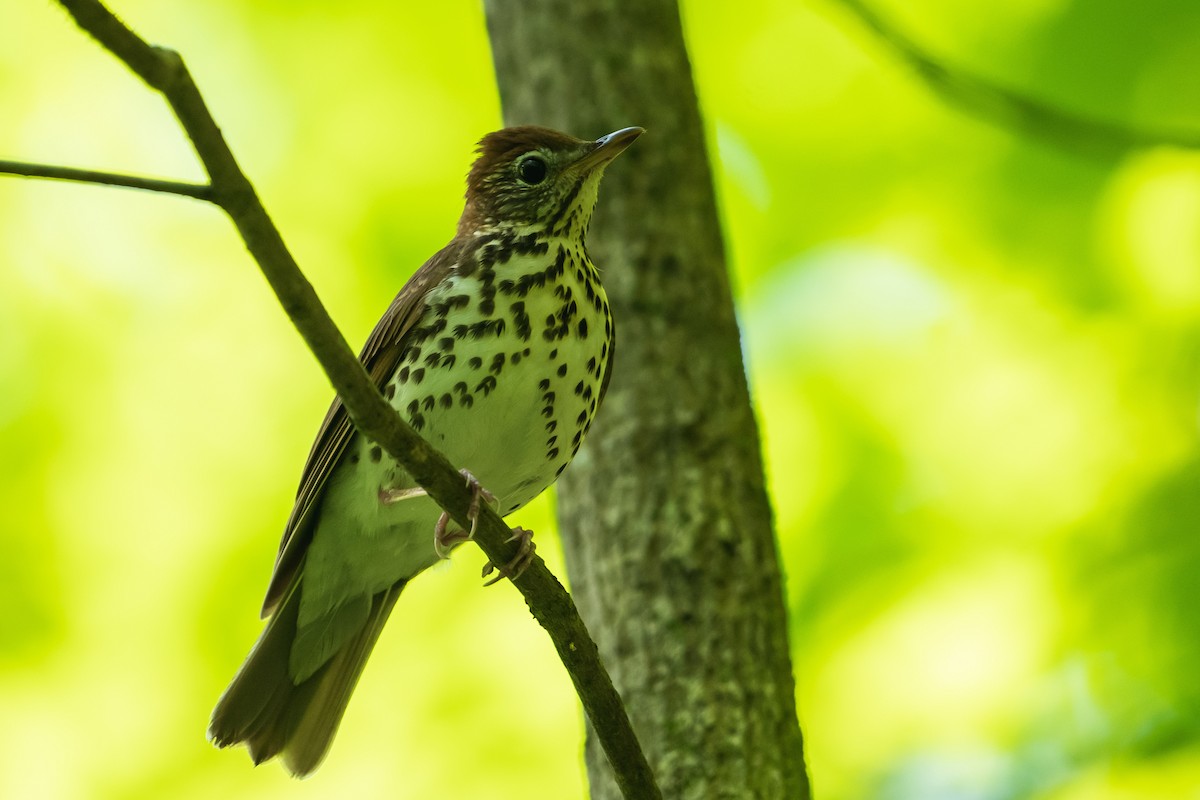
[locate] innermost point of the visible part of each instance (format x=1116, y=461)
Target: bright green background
x=976, y=361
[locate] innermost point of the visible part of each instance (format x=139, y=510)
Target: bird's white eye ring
x=532, y=170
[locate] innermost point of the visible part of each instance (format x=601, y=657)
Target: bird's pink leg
x=389, y=496
x=444, y=540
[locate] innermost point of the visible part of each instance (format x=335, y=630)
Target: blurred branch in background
x=1009, y=108
x=163, y=70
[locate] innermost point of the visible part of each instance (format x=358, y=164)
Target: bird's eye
x=532, y=170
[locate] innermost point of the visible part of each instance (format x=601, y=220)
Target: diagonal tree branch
x=1009, y=108
x=229, y=188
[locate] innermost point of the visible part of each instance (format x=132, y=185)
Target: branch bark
x=163, y=69
x=664, y=513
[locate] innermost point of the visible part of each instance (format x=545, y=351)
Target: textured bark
x=665, y=518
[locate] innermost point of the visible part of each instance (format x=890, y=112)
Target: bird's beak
x=606, y=148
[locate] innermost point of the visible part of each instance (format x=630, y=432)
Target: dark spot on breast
x=389, y=391
x=548, y=412
x=521, y=321
x=354, y=457
x=475, y=363
x=515, y=358
x=428, y=402
x=446, y=400
x=461, y=387
x=486, y=385
x=376, y=453
x=477, y=330
x=414, y=407
x=591, y=365
x=466, y=401
x=557, y=472
x=448, y=361
x=579, y=388
x=553, y=440
x=562, y=370
x=554, y=354
x=551, y=425
x=552, y=453
x=432, y=359
x=418, y=375
x=582, y=418
x=582, y=328
x=544, y=384
x=487, y=306
x=402, y=376
x=587, y=393
x=497, y=364
x=446, y=343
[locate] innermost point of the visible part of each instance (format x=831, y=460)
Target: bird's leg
x=520, y=562
x=444, y=540
x=389, y=496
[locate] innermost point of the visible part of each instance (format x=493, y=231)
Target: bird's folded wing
x=380, y=356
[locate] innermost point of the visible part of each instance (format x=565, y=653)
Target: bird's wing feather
x=380, y=356
x=608, y=366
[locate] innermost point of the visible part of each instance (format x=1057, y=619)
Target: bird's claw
x=477, y=491
x=443, y=540
x=519, y=563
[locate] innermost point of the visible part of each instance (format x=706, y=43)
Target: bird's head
x=538, y=178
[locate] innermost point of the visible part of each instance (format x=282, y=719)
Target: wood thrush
x=498, y=351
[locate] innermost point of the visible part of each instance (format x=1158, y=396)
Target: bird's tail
x=272, y=714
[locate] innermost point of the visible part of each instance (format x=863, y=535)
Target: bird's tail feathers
x=265, y=709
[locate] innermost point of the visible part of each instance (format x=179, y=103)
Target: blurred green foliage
x=975, y=355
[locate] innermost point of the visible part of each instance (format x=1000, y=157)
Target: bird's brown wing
x=380, y=356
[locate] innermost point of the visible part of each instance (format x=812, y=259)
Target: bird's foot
x=520, y=562
x=390, y=496
x=445, y=540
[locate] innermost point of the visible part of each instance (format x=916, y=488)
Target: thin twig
x=1008, y=108
x=547, y=600
x=199, y=191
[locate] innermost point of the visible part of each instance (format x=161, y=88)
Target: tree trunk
x=664, y=514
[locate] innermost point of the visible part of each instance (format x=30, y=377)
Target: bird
x=497, y=351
